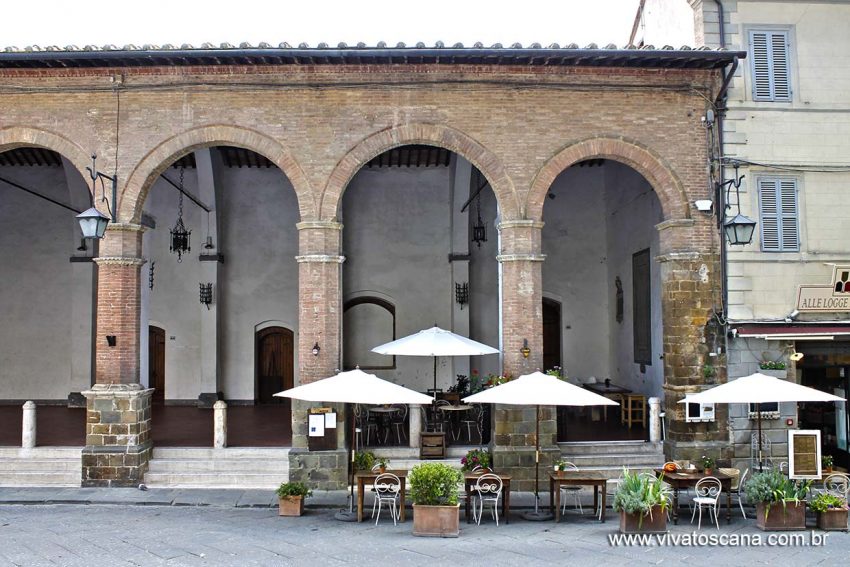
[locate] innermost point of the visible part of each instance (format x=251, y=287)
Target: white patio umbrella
x=435, y=342
x=759, y=389
x=538, y=389
x=354, y=387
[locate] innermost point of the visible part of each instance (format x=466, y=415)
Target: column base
x=115, y=466
x=208, y=399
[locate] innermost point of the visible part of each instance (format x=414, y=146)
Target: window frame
x=778, y=215
x=770, y=33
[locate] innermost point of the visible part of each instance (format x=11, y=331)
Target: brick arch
x=20, y=136
x=145, y=173
x=668, y=188
x=430, y=134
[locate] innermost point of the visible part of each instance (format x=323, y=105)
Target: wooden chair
x=633, y=410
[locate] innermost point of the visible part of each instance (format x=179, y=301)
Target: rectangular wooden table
x=575, y=478
x=684, y=478
x=611, y=391
x=469, y=480
x=365, y=477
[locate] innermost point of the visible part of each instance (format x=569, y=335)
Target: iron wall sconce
x=206, y=294
x=525, y=350
x=462, y=294
x=316, y=349
x=111, y=340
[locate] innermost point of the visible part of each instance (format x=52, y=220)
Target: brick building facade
x=520, y=116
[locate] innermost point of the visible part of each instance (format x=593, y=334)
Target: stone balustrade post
x=654, y=420
x=28, y=430
x=415, y=425
x=220, y=425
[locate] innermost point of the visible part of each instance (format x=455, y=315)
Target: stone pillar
x=319, y=321
x=690, y=292
x=28, y=430
x=515, y=428
x=118, y=442
x=118, y=415
x=219, y=425
x=654, y=420
x=414, y=415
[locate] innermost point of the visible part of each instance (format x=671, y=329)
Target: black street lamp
x=739, y=229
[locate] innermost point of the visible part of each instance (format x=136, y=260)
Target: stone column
x=319, y=321
x=521, y=265
x=414, y=415
x=28, y=429
x=219, y=425
x=654, y=420
x=118, y=444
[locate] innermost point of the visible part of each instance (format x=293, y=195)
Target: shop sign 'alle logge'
x=834, y=297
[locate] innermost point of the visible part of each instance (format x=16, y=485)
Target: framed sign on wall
x=804, y=454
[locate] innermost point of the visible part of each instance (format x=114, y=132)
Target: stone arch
x=156, y=161
x=18, y=136
x=667, y=186
x=431, y=134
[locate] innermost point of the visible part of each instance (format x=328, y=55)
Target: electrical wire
x=787, y=167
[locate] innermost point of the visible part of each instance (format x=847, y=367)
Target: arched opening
x=367, y=322
x=274, y=364
x=600, y=240
x=156, y=362
x=47, y=296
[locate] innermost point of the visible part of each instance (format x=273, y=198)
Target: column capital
x=521, y=257
x=520, y=223
x=320, y=259
x=319, y=225
x=118, y=261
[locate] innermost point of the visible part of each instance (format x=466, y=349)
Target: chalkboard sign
x=804, y=454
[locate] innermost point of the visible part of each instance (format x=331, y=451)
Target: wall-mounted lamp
x=316, y=349
x=525, y=350
x=93, y=222
x=739, y=229
x=111, y=340
x=462, y=294
x=206, y=294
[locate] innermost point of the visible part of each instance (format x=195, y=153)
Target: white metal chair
x=611, y=486
x=399, y=422
x=387, y=488
x=473, y=421
x=442, y=419
x=708, y=491
x=488, y=489
x=574, y=491
x=737, y=488
x=837, y=484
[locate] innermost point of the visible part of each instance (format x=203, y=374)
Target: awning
x=793, y=332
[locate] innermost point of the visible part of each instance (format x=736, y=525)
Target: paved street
x=222, y=534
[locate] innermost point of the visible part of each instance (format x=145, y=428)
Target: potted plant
x=290, y=497
x=642, y=503
x=382, y=463
x=827, y=462
x=476, y=458
x=364, y=460
x=780, y=501
x=831, y=511
x=434, y=491
x=560, y=466
x=707, y=464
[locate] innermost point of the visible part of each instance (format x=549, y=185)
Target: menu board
x=804, y=454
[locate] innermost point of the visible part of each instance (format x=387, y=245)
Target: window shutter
x=770, y=65
x=779, y=215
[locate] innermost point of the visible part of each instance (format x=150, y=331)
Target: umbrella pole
x=537, y=515
x=435, y=378
x=758, y=419
x=350, y=515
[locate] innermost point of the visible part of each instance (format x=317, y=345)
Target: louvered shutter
x=779, y=215
x=770, y=67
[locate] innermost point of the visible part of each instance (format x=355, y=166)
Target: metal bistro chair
x=399, y=422
x=837, y=484
x=442, y=419
x=387, y=488
x=611, y=487
x=708, y=491
x=474, y=421
x=488, y=489
x=737, y=488
x=574, y=491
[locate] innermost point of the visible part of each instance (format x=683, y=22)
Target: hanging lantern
x=479, y=229
x=179, y=234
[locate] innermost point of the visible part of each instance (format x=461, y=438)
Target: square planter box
x=656, y=523
x=790, y=517
x=290, y=506
x=436, y=521
x=833, y=520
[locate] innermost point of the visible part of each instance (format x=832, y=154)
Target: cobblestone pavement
x=96, y=534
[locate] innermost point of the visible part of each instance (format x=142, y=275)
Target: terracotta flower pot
x=655, y=523
x=436, y=521
x=792, y=516
x=833, y=519
x=290, y=506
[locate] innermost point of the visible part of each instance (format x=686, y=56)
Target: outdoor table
x=575, y=478
x=469, y=480
x=611, y=391
x=686, y=478
x=366, y=477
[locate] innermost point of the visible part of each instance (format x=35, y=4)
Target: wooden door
x=156, y=362
x=274, y=363
x=551, y=334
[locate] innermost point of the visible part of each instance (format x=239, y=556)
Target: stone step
x=40, y=478
x=244, y=466
x=41, y=465
x=217, y=480
x=631, y=461
x=41, y=453
x=186, y=453
x=574, y=448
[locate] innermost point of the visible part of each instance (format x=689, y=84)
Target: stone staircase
x=40, y=466
x=407, y=458
x=233, y=467
x=610, y=457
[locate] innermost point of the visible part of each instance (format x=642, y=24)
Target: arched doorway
x=273, y=364
x=156, y=362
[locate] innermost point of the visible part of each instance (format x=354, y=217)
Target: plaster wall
x=37, y=289
x=484, y=325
